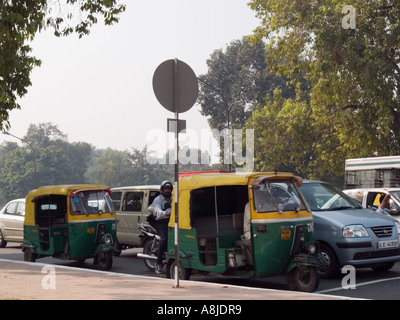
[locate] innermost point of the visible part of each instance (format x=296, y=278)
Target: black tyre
x=328, y=266
x=184, y=273
x=305, y=279
x=105, y=260
x=3, y=242
x=29, y=256
x=150, y=247
x=117, y=249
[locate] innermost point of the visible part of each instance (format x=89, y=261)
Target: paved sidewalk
x=37, y=281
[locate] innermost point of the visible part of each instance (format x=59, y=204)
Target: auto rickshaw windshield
x=275, y=196
x=88, y=202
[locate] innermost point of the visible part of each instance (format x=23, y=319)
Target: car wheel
x=3, y=242
x=117, y=249
x=328, y=264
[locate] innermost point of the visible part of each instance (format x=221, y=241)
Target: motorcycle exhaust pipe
x=146, y=256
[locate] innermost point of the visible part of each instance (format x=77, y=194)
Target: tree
x=353, y=73
x=284, y=136
x=111, y=167
x=48, y=160
x=237, y=80
x=21, y=20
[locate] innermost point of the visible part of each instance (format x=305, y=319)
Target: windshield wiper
x=341, y=208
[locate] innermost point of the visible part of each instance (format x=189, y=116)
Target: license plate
x=388, y=244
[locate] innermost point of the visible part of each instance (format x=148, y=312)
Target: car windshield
x=395, y=193
x=325, y=197
x=87, y=202
x=277, y=196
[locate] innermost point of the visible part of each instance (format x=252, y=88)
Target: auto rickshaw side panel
x=273, y=240
x=88, y=230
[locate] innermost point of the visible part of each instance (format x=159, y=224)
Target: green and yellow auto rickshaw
x=216, y=210
x=71, y=222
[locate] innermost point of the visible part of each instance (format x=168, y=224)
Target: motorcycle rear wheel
x=184, y=273
x=151, y=248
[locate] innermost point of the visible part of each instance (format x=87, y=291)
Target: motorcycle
x=150, y=240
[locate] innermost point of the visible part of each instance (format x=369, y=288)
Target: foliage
x=236, y=81
x=19, y=23
x=353, y=108
x=47, y=158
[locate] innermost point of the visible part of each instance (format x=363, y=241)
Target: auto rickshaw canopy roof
x=54, y=190
x=203, y=180
x=237, y=178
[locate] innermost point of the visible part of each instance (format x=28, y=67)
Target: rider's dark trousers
x=162, y=229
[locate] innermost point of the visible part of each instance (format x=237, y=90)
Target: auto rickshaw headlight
x=312, y=249
x=107, y=239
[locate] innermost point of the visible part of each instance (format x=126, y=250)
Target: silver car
x=349, y=234
x=12, y=222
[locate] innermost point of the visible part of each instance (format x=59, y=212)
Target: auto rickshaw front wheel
x=105, y=259
x=303, y=278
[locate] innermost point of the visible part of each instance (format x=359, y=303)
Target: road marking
x=358, y=285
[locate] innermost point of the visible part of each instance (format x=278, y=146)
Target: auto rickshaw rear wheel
x=184, y=273
x=29, y=256
x=105, y=259
x=303, y=278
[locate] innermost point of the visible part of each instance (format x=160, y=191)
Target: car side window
x=11, y=208
x=21, y=209
x=116, y=199
x=133, y=201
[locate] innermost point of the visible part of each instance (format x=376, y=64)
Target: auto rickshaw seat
x=229, y=231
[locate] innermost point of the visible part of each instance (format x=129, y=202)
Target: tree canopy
x=21, y=20
x=237, y=80
x=46, y=157
x=353, y=72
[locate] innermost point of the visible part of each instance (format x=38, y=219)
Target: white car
x=131, y=205
x=370, y=198
x=12, y=222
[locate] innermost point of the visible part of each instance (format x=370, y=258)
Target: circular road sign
x=175, y=85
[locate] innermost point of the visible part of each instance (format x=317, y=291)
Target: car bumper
x=365, y=253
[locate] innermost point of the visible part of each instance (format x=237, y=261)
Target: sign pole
x=176, y=174
x=176, y=88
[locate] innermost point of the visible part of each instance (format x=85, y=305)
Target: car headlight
x=397, y=226
x=354, y=231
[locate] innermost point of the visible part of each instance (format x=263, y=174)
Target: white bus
x=375, y=172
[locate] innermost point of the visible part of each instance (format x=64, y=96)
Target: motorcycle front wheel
x=150, y=247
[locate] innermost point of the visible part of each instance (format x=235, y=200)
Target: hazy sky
x=98, y=89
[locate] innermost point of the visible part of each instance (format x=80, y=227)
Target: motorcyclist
x=162, y=212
